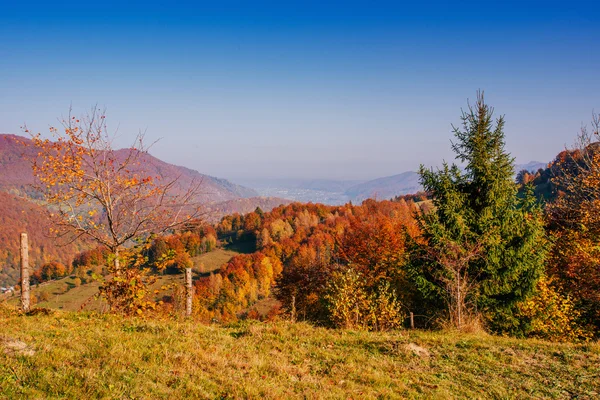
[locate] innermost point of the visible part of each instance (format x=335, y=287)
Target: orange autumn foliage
x=574, y=223
x=309, y=243
x=105, y=195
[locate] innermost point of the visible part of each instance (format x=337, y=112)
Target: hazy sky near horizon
x=331, y=90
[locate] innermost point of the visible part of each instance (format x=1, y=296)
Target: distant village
x=10, y=289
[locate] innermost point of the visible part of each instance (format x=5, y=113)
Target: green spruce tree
x=482, y=247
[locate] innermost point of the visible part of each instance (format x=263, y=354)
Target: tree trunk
x=116, y=262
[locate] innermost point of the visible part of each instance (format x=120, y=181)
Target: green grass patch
x=212, y=261
x=87, y=355
x=62, y=294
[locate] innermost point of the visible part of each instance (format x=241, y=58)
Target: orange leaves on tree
x=574, y=222
x=102, y=193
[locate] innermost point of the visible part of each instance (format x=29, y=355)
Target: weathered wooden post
x=412, y=320
x=24, y=273
x=188, y=292
x=293, y=316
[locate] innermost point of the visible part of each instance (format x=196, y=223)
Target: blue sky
x=339, y=90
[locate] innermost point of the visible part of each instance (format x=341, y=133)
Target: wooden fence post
x=25, y=298
x=293, y=316
x=412, y=320
x=188, y=292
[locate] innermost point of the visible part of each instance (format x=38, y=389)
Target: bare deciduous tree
x=453, y=275
x=109, y=196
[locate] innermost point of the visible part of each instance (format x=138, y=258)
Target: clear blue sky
x=348, y=90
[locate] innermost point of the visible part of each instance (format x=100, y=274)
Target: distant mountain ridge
x=407, y=183
x=386, y=187
x=337, y=192
x=242, y=206
x=531, y=166
x=16, y=174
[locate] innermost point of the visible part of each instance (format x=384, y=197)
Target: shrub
x=551, y=315
x=351, y=306
x=43, y=296
x=385, y=308
x=347, y=301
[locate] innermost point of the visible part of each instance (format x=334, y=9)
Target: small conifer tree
x=496, y=237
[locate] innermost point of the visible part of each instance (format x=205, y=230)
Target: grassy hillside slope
x=83, y=355
x=63, y=294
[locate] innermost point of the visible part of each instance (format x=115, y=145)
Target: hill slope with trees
x=20, y=215
x=19, y=212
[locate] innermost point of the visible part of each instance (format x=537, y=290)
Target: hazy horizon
x=304, y=91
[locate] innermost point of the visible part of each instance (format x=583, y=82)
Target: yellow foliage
x=553, y=316
x=352, y=307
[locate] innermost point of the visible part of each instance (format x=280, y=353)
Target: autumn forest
x=481, y=248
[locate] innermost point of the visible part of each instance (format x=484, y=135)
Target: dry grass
x=212, y=261
x=71, y=299
x=471, y=324
x=85, y=355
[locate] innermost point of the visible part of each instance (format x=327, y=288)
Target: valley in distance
x=337, y=192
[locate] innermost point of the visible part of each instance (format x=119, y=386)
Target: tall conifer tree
x=482, y=247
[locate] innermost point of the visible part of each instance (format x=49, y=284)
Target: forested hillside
x=214, y=212
x=303, y=248
x=475, y=251
x=19, y=215
x=472, y=251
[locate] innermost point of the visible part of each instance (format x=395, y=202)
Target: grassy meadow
x=63, y=294
x=67, y=353
x=89, y=355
